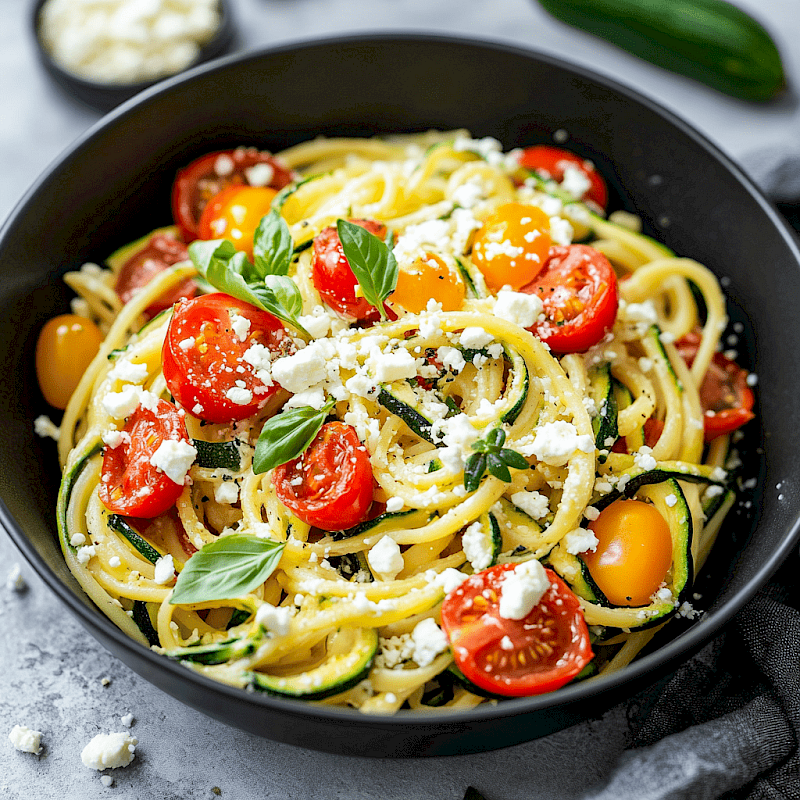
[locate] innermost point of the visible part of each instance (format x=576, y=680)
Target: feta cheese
x=240, y=395
x=128, y=372
x=275, y=618
x=43, y=426
x=260, y=175
x=449, y=579
x=164, y=570
x=109, y=751
x=84, y=554
x=476, y=544
x=517, y=307
x=227, y=492
x=239, y=323
x=561, y=231
x=114, y=562
x=77, y=539
x=123, y=403
x=127, y=720
x=301, y=370
x=474, y=338
x=534, y=504
x=174, y=458
x=522, y=590
x=395, y=366
x=385, y=558
x=394, y=504
x=429, y=640
x=26, y=740
x=580, y=541
x=644, y=460
x=114, y=438
x=451, y=358
x=555, y=442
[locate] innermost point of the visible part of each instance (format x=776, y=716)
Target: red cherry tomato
x=208, y=175
x=203, y=357
x=330, y=485
x=129, y=483
x=234, y=214
x=533, y=655
x=553, y=161
x=725, y=397
x=578, y=288
x=333, y=278
x=160, y=253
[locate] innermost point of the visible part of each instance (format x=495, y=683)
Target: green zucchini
x=623, y=398
x=604, y=425
x=65, y=493
x=401, y=401
x=218, y=455
x=411, y=518
x=464, y=682
x=348, y=662
x=484, y=542
x=238, y=617
x=141, y=616
x=218, y=653
x=709, y=40
x=138, y=542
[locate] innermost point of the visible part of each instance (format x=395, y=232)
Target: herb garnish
x=492, y=456
x=228, y=567
x=372, y=262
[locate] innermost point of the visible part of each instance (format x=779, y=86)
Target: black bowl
x=105, y=96
x=114, y=184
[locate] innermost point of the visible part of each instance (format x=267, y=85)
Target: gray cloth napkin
x=727, y=725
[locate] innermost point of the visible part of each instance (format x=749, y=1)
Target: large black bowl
x=114, y=185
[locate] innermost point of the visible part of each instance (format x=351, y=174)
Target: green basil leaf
x=280, y=296
x=473, y=471
x=513, y=459
x=496, y=438
x=227, y=568
x=272, y=246
x=287, y=435
x=496, y=467
x=372, y=262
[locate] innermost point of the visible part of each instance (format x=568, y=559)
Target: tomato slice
x=517, y=658
x=578, y=288
x=234, y=214
x=552, y=162
x=330, y=485
x=333, y=278
x=129, y=483
x=203, y=357
x=208, y=175
x=725, y=396
x=160, y=253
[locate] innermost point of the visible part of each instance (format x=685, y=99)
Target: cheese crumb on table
x=26, y=740
x=109, y=751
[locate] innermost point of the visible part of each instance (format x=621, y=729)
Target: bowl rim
x=664, y=658
x=219, y=41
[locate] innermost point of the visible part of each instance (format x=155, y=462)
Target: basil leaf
x=272, y=246
x=372, y=262
x=227, y=568
x=287, y=435
x=513, y=459
x=496, y=467
x=473, y=471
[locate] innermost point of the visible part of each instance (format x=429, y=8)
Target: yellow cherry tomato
x=65, y=348
x=234, y=214
x=634, y=552
x=428, y=277
x=512, y=246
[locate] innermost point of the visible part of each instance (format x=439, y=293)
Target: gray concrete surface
x=51, y=669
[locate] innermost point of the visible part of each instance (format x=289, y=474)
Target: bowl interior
x=114, y=185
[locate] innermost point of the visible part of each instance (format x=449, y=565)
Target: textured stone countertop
x=52, y=671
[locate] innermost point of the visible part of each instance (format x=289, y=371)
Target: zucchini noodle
x=350, y=634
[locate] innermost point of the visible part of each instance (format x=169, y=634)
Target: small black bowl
x=105, y=96
x=114, y=184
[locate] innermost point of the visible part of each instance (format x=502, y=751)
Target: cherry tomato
x=203, y=356
x=578, y=288
x=653, y=428
x=160, y=253
x=634, y=552
x=428, y=277
x=512, y=245
x=533, y=655
x=333, y=278
x=234, y=214
x=552, y=162
x=65, y=348
x=330, y=485
x=726, y=398
x=208, y=175
x=129, y=483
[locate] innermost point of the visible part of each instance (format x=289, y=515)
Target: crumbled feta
x=580, y=540
x=644, y=460
x=128, y=372
x=114, y=562
x=449, y=579
x=639, y=312
x=15, y=582
x=534, y=504
x=174, y=458
x=429, y=640
x=451, y=358
x=240, y=395
x=164, y=570
x=671, y=500
x=43, y=426
x=395, y=366
x=394, y=504
x=277, y=619
x=239, y=323
x=226, y=492
x=26, y=740
x=561, y=231
x=575, y=181
x=385, y=558
x=114, y=438
x=301, y=370
x=555, y=442
x=522, y=590
x=517, y=307
x=474, y=338
x=477, y=546
x=109, y=751
x=84, y=554
x=260, y=174
x=77, y=539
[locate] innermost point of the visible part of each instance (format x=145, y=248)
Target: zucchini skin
x=708, y=40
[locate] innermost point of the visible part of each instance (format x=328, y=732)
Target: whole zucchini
x=708, y=40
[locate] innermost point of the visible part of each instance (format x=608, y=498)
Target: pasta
x=494, y=436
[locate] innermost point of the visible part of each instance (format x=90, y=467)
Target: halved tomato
x=553, y=162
